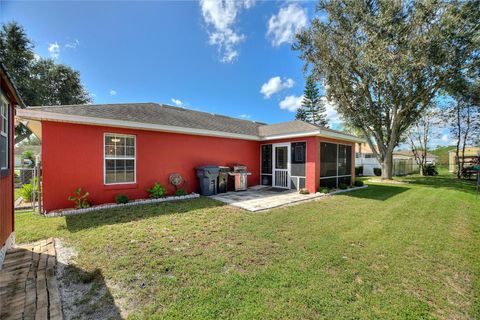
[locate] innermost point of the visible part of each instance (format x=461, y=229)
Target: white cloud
x=177, y=102
x=221, y=17
x=73, y=44
x=332, y=115
x=283, y=26
x=245, y=116
x=274, y=85
x=291, y=103
x=54, y=50
x=113, y=92
x=445, y=138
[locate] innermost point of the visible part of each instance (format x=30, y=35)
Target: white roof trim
x=59, y=117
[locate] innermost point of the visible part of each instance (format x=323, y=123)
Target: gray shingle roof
x=159, y=114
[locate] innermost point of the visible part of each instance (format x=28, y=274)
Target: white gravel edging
x=347, y=190
x=120, y=205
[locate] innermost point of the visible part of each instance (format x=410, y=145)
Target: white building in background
x=403, y=161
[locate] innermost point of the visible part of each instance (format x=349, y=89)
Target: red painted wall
x=6, y=181
x=72, y=156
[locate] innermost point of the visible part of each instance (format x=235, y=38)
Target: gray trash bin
x=223, y=179
x=207, y=179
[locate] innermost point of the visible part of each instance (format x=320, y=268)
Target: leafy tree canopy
x=40, y=82
x=384, y=61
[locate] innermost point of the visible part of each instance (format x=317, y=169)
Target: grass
x=407, y=251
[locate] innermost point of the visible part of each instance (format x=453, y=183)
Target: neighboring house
x=403, y=161
x=126, y=148
x=364, y=157
x=9, y=99
x=470, y=154
x=36, y=150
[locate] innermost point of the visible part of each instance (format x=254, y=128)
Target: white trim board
x=57, y=117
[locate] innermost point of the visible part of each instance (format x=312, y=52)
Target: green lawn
x=409, y=251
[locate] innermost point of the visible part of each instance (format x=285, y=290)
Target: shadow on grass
x=127, y=214
x=85, y=293
x=377, y=192
x=444, y=181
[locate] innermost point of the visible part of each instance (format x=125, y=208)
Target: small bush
x=342, y=186
x=358, y=183
x=359, y=171
x=324, y=190
x=157, y=191
x=121, y=198
x=303, y=191
x=377, y=172
x=26, y=192
x=430, y=170
x=80, y=199
x=180, y=192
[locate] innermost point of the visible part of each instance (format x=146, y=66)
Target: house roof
x=409, y=153
x=154, y=116
x=5, y=76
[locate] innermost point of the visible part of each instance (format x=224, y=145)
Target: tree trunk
x=387, y=166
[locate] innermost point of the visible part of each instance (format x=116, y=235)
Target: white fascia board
x=57, y=117
x=31, y=114
x=340, y=136
x=290, y=135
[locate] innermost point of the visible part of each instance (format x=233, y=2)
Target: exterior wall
x=312, y=165
x=6, y=184
x=469, y=152
x=72, y=157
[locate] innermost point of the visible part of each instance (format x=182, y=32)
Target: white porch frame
x=274, y=146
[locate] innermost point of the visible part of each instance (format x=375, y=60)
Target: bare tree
x=421, y=134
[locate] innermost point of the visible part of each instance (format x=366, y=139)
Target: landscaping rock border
x=61, y=213
x=346, y=190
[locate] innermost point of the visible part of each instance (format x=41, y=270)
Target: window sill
x=120, y=186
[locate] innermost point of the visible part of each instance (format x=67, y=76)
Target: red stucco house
x=9, y=99
x=126, y=148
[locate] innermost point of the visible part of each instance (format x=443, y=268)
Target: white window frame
x=105, y=158
x=6, y=133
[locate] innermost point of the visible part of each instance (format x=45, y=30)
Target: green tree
x=41, y=82
x=384, y=61
x=313, y=107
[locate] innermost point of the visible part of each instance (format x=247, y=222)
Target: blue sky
x=233, y=59
x=207, y=57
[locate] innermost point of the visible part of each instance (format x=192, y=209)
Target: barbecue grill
x=240, y=175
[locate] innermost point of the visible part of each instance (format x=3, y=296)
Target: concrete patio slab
x=258, y=199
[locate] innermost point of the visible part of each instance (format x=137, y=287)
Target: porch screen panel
x=266, y=164
x=298, y=158
x=335, y=164
x=328, y=159
x=344, y=160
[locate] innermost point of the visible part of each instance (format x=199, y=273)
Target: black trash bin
x=207, y=179
x=223, y=179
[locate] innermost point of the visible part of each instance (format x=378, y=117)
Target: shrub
x=377, y=172
x=358, y=183
x=121, y=198
x=180, y=192
x=359, y=171
x=324, y=190
x=430, y=170
x=342, y=186
x=303, y=191
x=80, y=199
x=26, y=192
x=157, y=191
